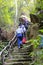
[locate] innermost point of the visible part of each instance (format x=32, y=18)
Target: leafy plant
x=2, y=45
x=35, y=42
x=41, y=31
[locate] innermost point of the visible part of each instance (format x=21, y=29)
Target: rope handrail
x=3, y=49
x=8, y=45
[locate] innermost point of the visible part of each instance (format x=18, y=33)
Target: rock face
x=10, y=35
x=36, y=19
x=6, y=35
x=34, y=30
x=37, y=24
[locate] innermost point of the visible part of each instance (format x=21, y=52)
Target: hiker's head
x=22, y=16
x=21, y=20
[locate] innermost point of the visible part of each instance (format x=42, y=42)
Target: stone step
x=18, y=63
x=25, y=49
x=19, y=56
x=24, y=53
x=20, y=53
x=18, y=59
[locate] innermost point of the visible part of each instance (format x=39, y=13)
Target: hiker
x=19, y=34
x=24, y=34
x=24, y=20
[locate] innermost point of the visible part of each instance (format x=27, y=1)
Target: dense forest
x=10, y=12
x=11, y=9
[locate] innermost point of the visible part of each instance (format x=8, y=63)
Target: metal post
x=2, y=58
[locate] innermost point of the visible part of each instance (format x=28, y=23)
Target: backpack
x=24, y=40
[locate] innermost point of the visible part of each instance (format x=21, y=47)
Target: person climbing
x=24, y=20
x=24, y=33
x=19, y=34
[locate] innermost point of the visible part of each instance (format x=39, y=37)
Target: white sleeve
x=24, y=29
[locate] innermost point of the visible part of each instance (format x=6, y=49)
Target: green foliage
x=6, y=8
x=7, y=19
x=39, y=58
x=32, y=54
x=35, y=42
x=39, y=3
x=2, y=45
x=41, y=31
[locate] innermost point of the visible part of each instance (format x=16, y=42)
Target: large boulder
x=6, y=35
